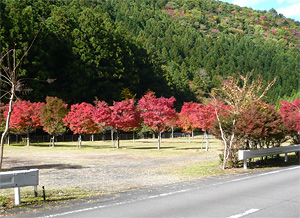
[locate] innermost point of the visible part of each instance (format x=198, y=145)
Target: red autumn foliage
x=187, y=116
x=25, y=117
x=260, y=126
x=208, y=116
x=80, y=119
x=196, y=116
x=156, y=111
x=3, y=108
x=124, y=115
x=290, y=112
x=101, y=114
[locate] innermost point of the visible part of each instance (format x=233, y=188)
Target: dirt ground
x=106, y=170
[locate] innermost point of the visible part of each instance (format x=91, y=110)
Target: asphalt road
x=274, y=193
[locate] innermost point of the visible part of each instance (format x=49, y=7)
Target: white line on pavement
x=244, y=213
x=169, y=193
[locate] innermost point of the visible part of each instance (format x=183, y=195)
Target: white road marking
x=171, y=193
x=244, y=214
x=116, y=204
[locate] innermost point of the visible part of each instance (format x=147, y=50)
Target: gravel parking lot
x=106, y=170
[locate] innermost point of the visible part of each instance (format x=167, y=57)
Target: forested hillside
x=115, y=48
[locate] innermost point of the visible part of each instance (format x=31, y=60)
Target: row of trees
x=84, y=118
x=254, y=126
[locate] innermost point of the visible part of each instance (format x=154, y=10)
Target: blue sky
x=289, y=8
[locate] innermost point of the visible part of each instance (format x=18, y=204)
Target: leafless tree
x=237, y=97
x=10, y=78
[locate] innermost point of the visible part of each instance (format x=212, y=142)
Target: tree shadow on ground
x=45, y=166
x=275, y=162
x=190, y=148
x=151, y=148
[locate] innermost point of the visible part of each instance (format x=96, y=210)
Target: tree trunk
x=7, y=124
x=52, y=139
x=159, y=136
x=112, y=135
x=27, y=140
x=118, y=139
x=202, y=142
x=79, y=141
x=207, y=141
x=172, y=135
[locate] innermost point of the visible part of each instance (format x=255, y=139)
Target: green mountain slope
x=183, y=48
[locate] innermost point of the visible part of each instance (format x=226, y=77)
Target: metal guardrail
x=17, y=179
x=246, y=154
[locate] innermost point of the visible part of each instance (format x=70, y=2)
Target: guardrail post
x=245, y=163
x=35, y=191
x=285, y=157
x=17, y=196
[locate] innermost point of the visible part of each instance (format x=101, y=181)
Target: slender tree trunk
x=202, y=142
x=159, y=136
x=7, y=124
x=172, y=135
x=207, y=141
x=118, y=139
x=133, y=137
x=112, y=135
x=27, y=140
x=79, y=141
x=52, y=139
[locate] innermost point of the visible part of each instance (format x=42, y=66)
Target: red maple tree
x=197, y=116
x=156, y=112
x=80, y=120
x=186, y=117
x=25, y=117
x=101, y=114
x=124, y=116
x=260, y=126
x=290, y=112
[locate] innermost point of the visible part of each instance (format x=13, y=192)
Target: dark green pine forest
x=113, y=49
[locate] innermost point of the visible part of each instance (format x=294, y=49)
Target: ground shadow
x=275, y=162
x=45, y=166
x=150, y=148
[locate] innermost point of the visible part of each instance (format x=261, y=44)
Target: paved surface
x=273, y=193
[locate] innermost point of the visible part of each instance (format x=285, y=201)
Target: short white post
x=245, y=163
x=17, y=196
x=285, y=157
